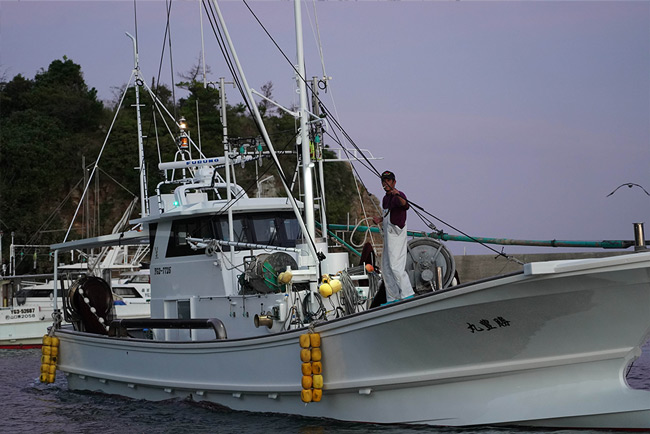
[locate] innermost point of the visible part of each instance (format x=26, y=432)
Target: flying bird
x=629, y=185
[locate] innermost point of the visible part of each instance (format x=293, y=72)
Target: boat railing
x=119, y=327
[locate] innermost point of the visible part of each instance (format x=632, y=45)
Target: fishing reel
x=430, y=265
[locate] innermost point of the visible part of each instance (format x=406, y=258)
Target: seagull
x=629, y=185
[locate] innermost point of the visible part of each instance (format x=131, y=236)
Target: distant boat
x=241, y=317
x=28, y=310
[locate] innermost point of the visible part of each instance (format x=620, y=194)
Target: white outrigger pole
x=226, y=150
x=304, y=133
x=307, y=226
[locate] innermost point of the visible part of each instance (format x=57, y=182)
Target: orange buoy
x=306, y=395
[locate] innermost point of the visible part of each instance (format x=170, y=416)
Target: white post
x=226, y=150
x=56, y=279
x=304, y=129
x=265, y=135
x=12, y=257
x=143, y=173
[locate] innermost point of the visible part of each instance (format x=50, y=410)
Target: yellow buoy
x=45, y=368
x=304, y=341
x=316, y=395
x=305, y=355
x=306, y=369
x=316, y=354
x=54, y=341
x=43, y=377
x=314, y=340
x=325, y=290
x=286, y=278
x=306, y=395
x=47, y=340
x=317, y=381
x=325, y=278
x=46, y=360
x=316, y=367
x=336, y=285
x=47, y=350
x=306, y=381
x=54, y=351
x=51, y=369
x=51, y=378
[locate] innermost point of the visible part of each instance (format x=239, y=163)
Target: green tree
x=46, y=125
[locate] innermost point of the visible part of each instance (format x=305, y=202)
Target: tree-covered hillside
x=54, y=123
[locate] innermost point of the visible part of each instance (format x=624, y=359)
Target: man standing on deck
x=393, y=261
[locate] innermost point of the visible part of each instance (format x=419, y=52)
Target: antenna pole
x=144, y=205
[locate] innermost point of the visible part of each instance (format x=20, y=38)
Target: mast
x=249, y=95
x=304, y=132
x=226, y=150
x=144, y=206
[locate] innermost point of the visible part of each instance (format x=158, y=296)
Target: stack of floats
x=49, y=358
x=312, y=367
x=329, y=286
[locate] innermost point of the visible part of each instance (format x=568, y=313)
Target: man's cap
x=388, y=175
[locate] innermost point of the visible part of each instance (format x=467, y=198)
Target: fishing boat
x=250, y=310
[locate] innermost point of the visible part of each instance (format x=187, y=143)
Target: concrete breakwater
x=475, y=267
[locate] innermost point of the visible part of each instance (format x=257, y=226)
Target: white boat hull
x=532, y=349
x=24, y=326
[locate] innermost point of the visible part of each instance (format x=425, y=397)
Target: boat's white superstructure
x=547, y=346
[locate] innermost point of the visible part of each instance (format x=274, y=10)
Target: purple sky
x=506, y=119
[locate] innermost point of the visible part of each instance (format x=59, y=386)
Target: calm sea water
x=27, y=406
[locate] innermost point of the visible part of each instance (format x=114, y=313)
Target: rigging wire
x=260, y=127
x=96, y=162
x=369, y=165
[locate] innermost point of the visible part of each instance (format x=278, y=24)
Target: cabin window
x=152, y=233
x=179, y=245
x=265, y=230
x=140, y=278
x=35, y=293
x=240, y=231
x=277, y=229
x=126, y=292
x=290, y=230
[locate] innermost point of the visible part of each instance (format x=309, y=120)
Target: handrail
x=164, y=323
